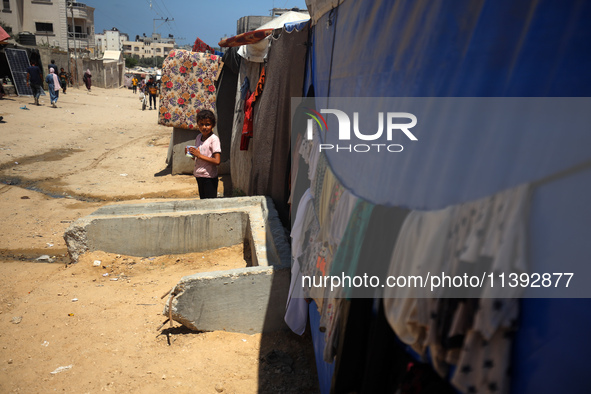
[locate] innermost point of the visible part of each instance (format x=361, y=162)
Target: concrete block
x=247, y=300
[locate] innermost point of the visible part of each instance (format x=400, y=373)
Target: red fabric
x=200, y=46
x=249, y=37
x=247, y=127
x=248, y=122
x=259, y=90
x=3, y=34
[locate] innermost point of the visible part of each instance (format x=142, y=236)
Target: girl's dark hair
x=206, y=114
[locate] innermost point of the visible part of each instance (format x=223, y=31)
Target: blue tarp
x=493, y=48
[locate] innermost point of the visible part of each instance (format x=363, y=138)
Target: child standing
x=207, y=154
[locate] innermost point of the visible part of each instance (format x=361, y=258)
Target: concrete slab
x=247, y=300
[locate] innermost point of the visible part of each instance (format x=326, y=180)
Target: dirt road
x=94, y=333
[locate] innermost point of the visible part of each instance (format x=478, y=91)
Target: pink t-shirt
x=207, y=148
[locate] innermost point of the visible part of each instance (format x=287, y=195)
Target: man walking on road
x=34, y=80
x=152, y=86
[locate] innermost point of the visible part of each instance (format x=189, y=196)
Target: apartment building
x=152, y=46
x=110, y=40
x=54, y=23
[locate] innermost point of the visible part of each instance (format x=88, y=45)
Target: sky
x=208, y=20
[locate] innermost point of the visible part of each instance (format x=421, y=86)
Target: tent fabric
x=543, y=60
x=3, y=34
x=241, y=161
x=226, y=100
x=318, y=8
x=272, y=123
x=256, y=52
x=297, y=25
x=113, y=55
x=127, y=80
x=481, y=49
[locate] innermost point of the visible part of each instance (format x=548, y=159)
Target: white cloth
x=341, y=216
x=419, y=249
x=296, y=313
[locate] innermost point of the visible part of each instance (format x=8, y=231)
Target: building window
x=5, y=5
x=42, y=27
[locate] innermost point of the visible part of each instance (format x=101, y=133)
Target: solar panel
x=18, y=63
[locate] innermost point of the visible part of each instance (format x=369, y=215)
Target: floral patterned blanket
x=187, y=87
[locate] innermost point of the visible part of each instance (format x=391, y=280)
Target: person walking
x=63, y=79
x=134, y=84
x=87, y=78
x=34, y=80
x=143, y=86
x=53, y=85
x=53, y=66
x=152, y=86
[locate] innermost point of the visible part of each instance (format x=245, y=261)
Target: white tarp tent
x=258, y=51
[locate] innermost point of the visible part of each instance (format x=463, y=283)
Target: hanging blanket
x=187, y=87
x=250, y=37
x=200, y=46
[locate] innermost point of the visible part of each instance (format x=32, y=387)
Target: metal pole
x=75, y=46
x=68, y=41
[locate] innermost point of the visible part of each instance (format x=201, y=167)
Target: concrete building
x=50, y=23
x=152, y=46
x=110, y=40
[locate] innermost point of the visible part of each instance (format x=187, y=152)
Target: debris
x=74, y=299
x=61, y=369
x=10, y=361
x=123, y=174
x=17, y=319
x=106, y=274
x=70, y=314
x=49, y=245
x=45, y=343
x=44, y=257
x=114, y=279
x=24, y=107
x=96, y=263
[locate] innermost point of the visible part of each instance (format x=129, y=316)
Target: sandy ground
x=74, y=329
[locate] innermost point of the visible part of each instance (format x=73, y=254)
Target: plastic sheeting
x=489, y=48
x=318, y=8
x=421, y=49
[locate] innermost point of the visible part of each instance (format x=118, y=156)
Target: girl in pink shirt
x=206, y=153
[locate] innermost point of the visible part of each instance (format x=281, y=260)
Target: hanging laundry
x=250, y=37
x=419, y=249
x=296, y=314
x=247, y=128
x=200, y=46
x=248, y=122
x=245, y=89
